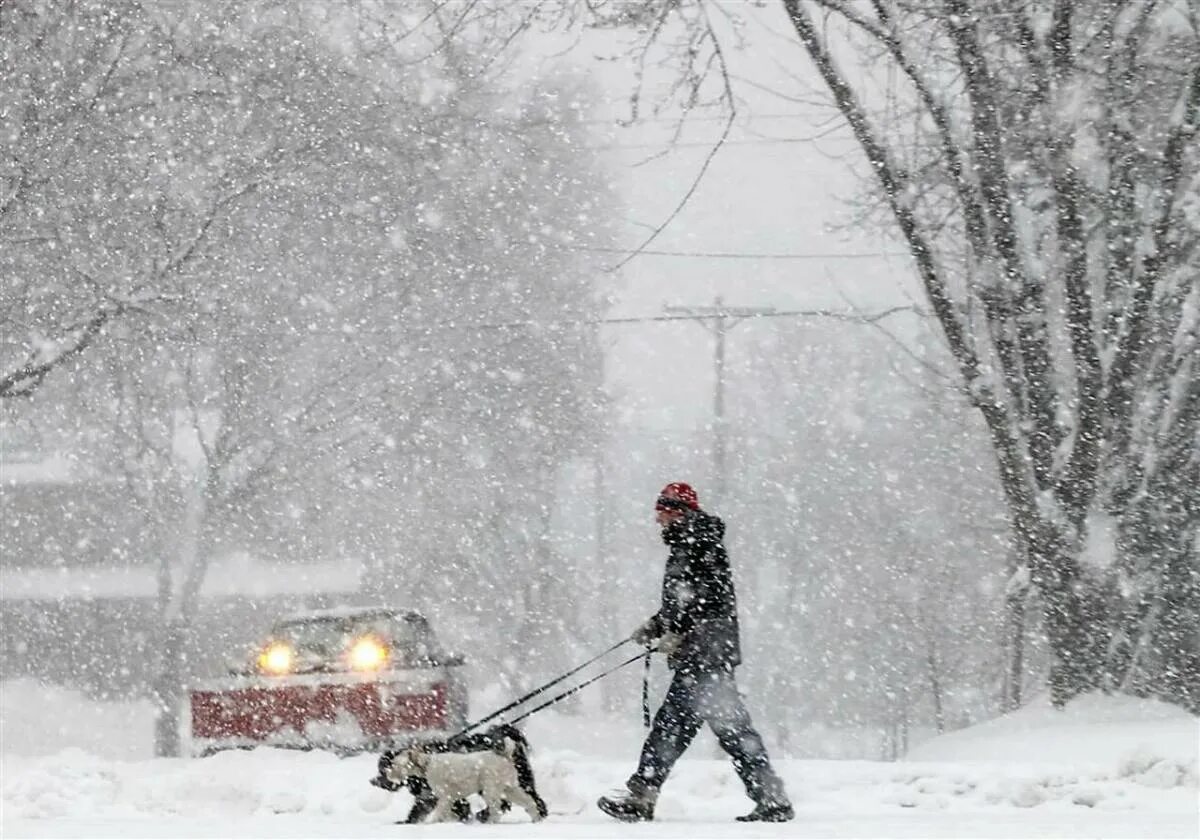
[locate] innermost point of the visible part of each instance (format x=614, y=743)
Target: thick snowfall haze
x=316, y=306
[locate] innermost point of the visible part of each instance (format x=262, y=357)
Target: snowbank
x=1105, y=768
x=256, y=790
x=1096, y=729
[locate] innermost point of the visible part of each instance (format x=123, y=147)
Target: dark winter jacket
x=698, y=601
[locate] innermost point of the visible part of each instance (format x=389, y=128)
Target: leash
x=582, y=685
x=535, y=692
x=646, y=690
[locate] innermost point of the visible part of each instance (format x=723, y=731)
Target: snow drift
x=1104, y=767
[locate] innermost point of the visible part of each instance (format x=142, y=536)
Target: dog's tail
x=513, y=739
x=518, y=750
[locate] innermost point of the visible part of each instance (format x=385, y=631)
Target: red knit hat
x=677, y=494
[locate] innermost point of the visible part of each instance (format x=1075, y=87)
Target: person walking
x=697, y=627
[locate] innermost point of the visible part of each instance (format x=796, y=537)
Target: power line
x=693, y=315
x=668, y=144
x=750, y=117
x=836, y=314
x=696, y=314
x=351, y=333
x=739, y=255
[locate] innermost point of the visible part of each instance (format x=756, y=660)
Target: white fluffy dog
x=454, y=776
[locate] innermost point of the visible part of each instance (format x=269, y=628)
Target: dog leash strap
x=530, y=695
x=564, y=695
x=646, y=692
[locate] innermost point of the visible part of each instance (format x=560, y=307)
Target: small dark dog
x=491, y=740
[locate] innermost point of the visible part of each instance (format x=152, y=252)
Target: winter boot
x=631, y=805
x=769, y=812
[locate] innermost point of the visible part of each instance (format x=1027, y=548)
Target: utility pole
x=723, y=318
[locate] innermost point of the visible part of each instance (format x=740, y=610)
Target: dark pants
x=711, y=697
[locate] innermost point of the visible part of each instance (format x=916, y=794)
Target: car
x=347, y=679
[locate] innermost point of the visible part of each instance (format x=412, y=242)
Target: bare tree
x=101, y=220
x=1065, y=328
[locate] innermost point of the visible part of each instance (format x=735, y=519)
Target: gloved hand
x=669, y=642
x=647, y=632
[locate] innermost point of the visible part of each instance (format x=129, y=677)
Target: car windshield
x=326, y=638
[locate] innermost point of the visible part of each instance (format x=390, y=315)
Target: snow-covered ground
x=1106, y=767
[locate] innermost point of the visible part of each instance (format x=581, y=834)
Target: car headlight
x=367, y=654
x=277, y=658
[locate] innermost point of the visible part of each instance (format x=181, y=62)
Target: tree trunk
x=1160, y=615
x=935, y=691
x=169, y=692
x=1074, y=614
x=177, y=605
x=1015, y=666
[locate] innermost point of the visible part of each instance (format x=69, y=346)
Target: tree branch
x=1077, y=484
x=1119, y=401
x=1032, y=337
x=26, y=379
